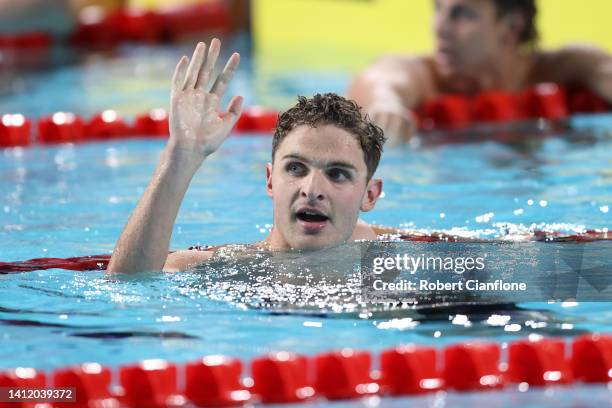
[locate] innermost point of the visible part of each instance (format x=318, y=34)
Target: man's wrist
x=186, y=156
x=179, y=165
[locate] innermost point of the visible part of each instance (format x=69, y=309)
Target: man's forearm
x=144, y=242
x=393, y=81
x=368, y=90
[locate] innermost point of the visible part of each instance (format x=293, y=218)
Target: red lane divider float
x=409, y=370
x=215, y=381
x=472, y=367
x=452, y=112
x=21, y=377
x=99, y=30
x=61, y=127
x=100, y=262
x=150, y=383
x=496, y=107
x=257, y=119
x=538, y=363
x=345, y=374
x=547, y=101
x=153, y=123
x=108, y=125
x=92, y=384
x=79, y=263
x=96, y=29
x=592, y=358
x=14, y=130
x=281, y=377
x=67, y=127
x=449, y=112
x=34, y=39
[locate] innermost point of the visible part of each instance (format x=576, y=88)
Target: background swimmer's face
x=318, y=184
x=469, y=35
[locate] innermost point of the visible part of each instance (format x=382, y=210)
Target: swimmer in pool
x=324, y=155
x=481, y=45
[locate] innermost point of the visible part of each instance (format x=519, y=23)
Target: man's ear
x=269, y=179
x=373, y=191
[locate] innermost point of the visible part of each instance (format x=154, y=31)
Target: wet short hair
x=528, y=8
x=332, y=109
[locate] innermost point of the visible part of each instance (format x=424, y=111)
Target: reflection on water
x=328, y=284
x=319, y=281
x=258, y=303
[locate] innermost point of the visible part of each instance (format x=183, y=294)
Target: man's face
x=318, y=184
x=469, y=36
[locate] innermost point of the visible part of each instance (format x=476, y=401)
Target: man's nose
x=313, y=186
x=442, y=25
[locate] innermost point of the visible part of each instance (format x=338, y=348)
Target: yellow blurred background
x=343, y=36
x=350, y=33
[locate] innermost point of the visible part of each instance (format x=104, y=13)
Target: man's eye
x=295, y=168
x=338, y=174
x=463, y=12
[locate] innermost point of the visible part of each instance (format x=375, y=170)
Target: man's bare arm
x=196, y=131
x=181, y=260
x=578, y=64
x=389, y=89
x=392, y=76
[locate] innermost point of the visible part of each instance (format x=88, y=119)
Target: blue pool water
x=67, y=200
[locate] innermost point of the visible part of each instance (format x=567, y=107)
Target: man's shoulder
x=180, y=260
x=403, y=61
x=567, y=63
x=569, y=50
x=363, y=231
x=571, y=53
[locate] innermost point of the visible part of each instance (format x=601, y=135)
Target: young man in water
x=480, y=45
x=324, y=154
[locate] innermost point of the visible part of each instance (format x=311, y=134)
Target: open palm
x=195, y=124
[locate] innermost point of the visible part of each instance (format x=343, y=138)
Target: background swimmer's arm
x=196, y=131
x=579, y=64
x=389, y=89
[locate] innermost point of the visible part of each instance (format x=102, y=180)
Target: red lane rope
x=284, y=377
x=546, y=100
x=79, y=263
x=97, y=30
x=100, y=262
x=449, y=112
x=66, y=127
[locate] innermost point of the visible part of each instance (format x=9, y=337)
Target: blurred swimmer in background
x=481, y=45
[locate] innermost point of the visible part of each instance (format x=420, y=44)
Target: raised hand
x=196, y=130
x=195, y=125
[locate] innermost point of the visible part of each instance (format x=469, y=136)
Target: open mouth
x=311, y=216
x=312, y=221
